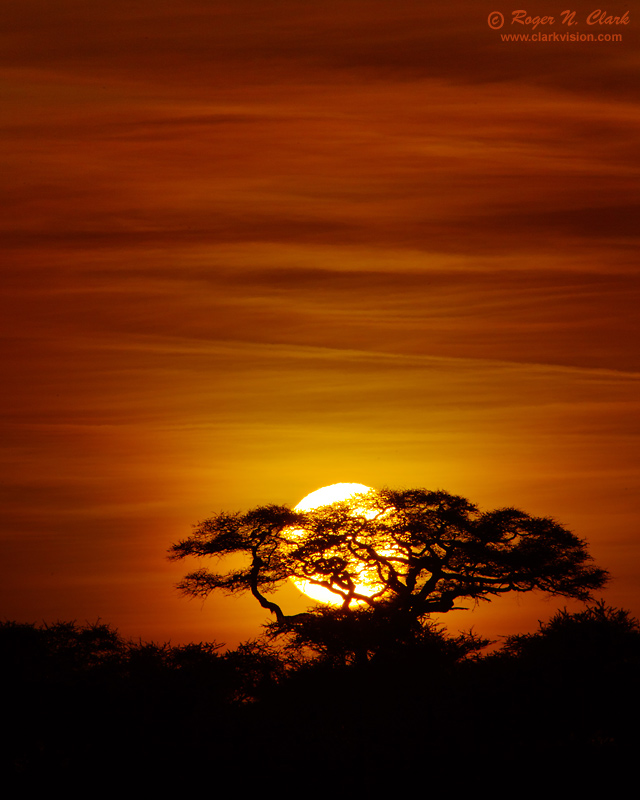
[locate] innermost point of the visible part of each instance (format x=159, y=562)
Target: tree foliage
x=398, y=554
x=587, y=638
x=335, y=637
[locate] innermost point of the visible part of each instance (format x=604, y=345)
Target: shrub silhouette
x=567, y=694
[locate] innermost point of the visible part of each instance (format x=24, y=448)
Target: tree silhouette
x=389, y=558
x=593, y=638
x=581, y=669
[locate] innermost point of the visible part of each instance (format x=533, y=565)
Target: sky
x=254, y=248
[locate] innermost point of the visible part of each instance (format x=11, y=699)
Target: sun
x=326, y=497
x=331, y=494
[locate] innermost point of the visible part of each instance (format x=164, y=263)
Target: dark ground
x=84, y=706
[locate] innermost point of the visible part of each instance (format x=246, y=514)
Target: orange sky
x=254, y=248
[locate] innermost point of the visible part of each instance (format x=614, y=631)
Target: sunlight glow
x=326, y=497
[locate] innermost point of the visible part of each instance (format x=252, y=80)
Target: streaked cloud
x=250, y=248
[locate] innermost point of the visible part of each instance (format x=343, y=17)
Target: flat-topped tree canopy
x=413, y=552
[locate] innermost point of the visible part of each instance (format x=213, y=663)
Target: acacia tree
x=391, y=555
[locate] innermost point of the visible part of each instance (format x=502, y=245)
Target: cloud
x=250, y=245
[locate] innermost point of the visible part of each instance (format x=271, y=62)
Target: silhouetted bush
x=81, y=700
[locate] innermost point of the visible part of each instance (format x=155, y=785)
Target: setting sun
x=335, y=493
x=331, y=494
